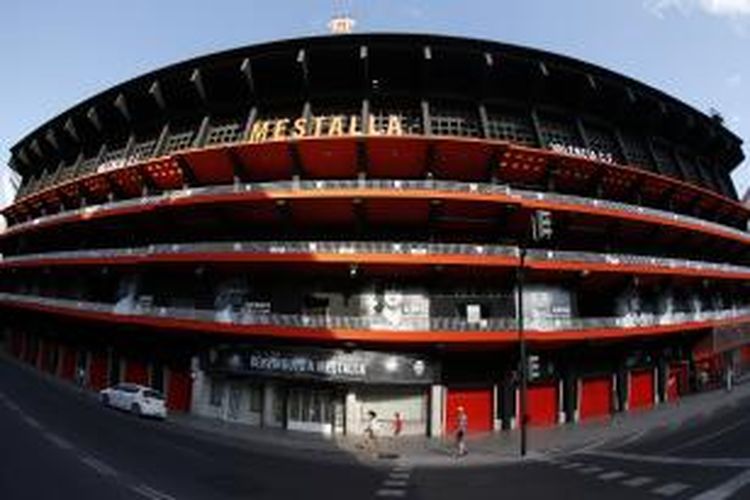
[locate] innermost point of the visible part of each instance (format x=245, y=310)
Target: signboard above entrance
x=322, y=364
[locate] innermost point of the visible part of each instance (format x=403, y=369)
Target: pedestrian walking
x=371, y=431
x=462, y=425
x=80, y=377
x=398, y=424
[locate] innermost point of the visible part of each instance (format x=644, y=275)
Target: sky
x=53, y=53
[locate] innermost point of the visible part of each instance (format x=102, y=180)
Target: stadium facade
x=294, y=233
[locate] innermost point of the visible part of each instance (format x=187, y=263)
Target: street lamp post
x=522, y=347
x=541, y=229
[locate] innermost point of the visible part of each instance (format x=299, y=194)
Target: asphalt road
x=56, y=443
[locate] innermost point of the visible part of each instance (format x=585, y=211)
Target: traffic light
x=533, y=367
x=541, y=225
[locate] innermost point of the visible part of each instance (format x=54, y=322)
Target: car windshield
x=153, y=394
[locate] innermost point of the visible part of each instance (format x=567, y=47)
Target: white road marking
x=151, y=493
x=32, y=422
x=389, y=492
x=571, y=465
x=609, y=476
x=727, y=489
x=592, y=469
x=58, y=441
x=392, y=483
x=707, y=437
x=743, y=463
x=639, y=481
x=632, y=438
x=98, y=466
x=399, y=475
x=13, y=406
x=670, y=489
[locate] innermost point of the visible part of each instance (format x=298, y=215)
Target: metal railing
x=390, y=185
x=248, y=318
x=379, y=247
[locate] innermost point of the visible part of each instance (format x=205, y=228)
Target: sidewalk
x=487, y=449
x=504, y=447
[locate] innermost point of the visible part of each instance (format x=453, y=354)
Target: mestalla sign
x=322, y=364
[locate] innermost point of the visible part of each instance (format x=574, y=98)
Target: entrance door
x=641, y=389
x=596, y=397
x=310, y=410
x=234, y=403
x=542, y=404
x=477, y=403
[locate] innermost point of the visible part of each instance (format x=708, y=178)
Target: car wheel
x=105, y=400
x=136, y=409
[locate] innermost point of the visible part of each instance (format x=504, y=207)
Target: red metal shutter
x=477, y=403
x=596, y=397
x=542, y=404
x=641, y=389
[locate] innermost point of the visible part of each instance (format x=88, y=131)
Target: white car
x=137, y=399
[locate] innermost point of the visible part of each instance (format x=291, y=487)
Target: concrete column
x=560, y=401
x=497, y=423
x=351, y=413
x=199, y=386
x=270, y=395
x=579, y=392
x=437, y=410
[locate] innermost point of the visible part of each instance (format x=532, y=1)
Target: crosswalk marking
x=592, y=469
x=399, y=475
x=386, y=492
x=609, y=476
x=639, y=481
x=571, y=465
x=670, y=489
x=393, y=483
x=151, y=493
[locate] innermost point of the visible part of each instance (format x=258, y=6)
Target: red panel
x=68, y=363
x=98, y=370
x=398, y=158
x=179, y=390
x=329, y=158
x=542, y=404
x=522, y=167
x=211, y=166
x=164, y=174
x=400, y=212
x=641, y=389
x=336, y=212
x=461, y=160
x=128, y=180
x=596, y=397
x=477, y=403
x=136, y=371
x=267, y=161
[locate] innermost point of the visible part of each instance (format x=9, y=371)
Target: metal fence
x=249, y=318
x=391, y=185
x=379, y=247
